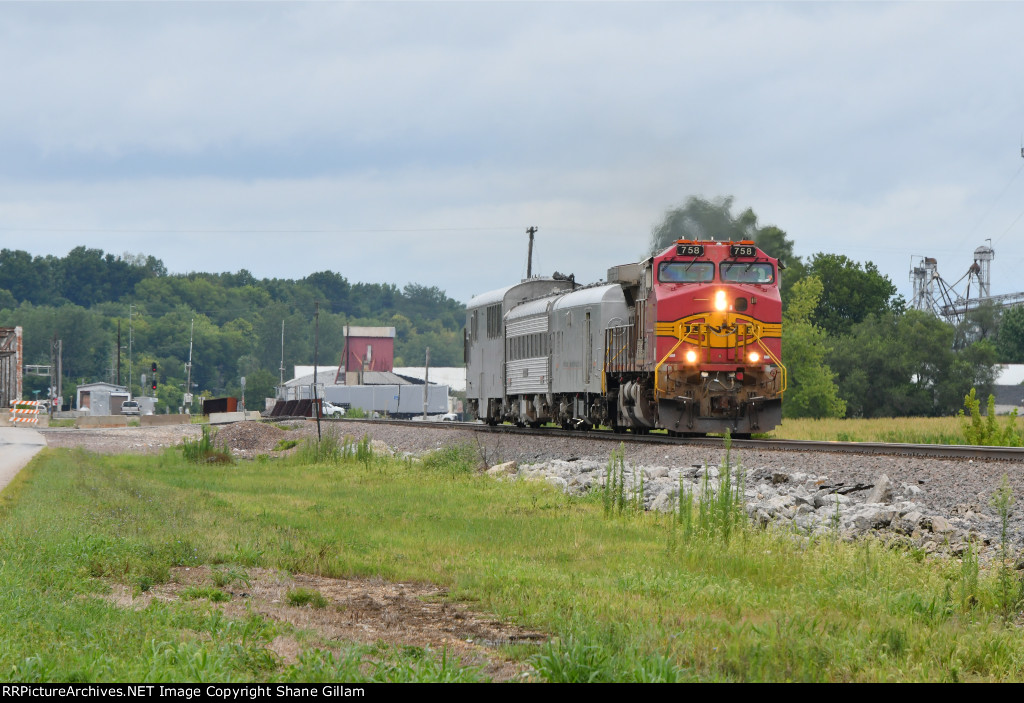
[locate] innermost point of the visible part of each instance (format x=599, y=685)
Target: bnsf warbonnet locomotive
x=688, y=341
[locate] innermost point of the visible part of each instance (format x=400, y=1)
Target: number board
x=689, y=250
x=743, y=250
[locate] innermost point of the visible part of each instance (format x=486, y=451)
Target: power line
x=356, y=230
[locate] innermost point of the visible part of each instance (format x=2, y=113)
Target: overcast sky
x=415, y=142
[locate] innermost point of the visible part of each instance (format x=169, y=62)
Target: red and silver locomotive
x=688, y=341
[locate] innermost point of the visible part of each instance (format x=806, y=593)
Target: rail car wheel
x=741, y=435
x=536, y=425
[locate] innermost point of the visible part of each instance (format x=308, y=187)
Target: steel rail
x=942, y=451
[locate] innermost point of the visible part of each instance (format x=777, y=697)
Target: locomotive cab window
x=748, y=273
x=686, y=272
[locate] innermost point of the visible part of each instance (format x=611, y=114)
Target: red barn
x=366, y=349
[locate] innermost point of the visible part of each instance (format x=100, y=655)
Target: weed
x=285, y=444
x=453, y=459
x=614, y=495
x=579, y=661
x=364, y=452
x=224, y=576
x=204, y=450
x=987, y=432
x=307, y=596
x=204, y=592
x=969, y=578
x=328, y=449
x=1009, y=593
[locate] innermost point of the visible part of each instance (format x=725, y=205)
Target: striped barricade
x=25, y=412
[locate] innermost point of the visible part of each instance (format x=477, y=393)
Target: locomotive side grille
x=619, y=343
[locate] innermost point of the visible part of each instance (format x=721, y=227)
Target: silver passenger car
x=550, y=365
x=484, y=341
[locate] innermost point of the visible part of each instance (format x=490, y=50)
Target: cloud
x=441, y=130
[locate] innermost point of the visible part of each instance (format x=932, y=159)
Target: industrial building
x=364, y=379
x=101, y=398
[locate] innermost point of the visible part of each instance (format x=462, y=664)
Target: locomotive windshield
x=748, y=273
x=686, y=272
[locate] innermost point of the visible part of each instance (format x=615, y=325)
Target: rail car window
x=686, y=272
x=748, y=273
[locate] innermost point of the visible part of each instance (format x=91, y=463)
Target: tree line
x=83, y=297
x=850, y=345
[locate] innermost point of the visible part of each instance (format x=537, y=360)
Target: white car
x=332, y=410
x=130, y=407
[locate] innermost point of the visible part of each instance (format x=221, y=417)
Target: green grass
x=901, y=430
x=627, y=596
x=285, y=444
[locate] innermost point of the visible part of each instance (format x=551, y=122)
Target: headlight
x=691, y=357
x=720, y=303
x=754, y=357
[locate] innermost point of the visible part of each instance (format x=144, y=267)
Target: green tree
x=1010, y=340
x=812, y=390
x=979, y=323
x=897, y=364
x=854, y=292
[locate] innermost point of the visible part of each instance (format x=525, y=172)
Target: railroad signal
x=154, y=376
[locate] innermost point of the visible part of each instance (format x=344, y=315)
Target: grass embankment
x=628, y=596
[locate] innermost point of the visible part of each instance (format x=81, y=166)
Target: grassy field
x=625, y=596
x=906, y=430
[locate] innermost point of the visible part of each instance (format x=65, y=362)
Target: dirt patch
x=357, y=610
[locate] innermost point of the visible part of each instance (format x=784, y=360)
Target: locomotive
x=688, y=341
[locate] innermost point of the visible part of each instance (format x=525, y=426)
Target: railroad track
x=943, y=451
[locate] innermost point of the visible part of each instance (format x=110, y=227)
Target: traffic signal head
x=154, y=376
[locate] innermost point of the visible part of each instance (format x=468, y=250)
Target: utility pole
x=316, y=362
x=426, y=384
x=54, y=373
x=118, y=356
x=188, y=370
x=131, y=309
x=282, y=353
x=529, y=254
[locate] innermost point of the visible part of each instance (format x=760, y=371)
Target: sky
x=416, y=141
